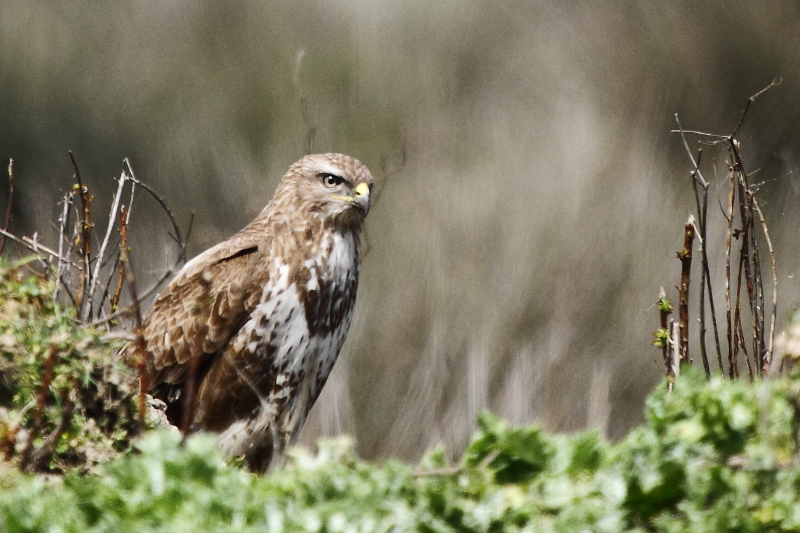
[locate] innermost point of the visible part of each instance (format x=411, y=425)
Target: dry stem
x=685, y=256
x=10, y=206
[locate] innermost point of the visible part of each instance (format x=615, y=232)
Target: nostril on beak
x=361, y=190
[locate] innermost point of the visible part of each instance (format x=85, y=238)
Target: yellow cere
x=362, y=189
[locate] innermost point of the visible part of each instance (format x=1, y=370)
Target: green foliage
x=661, y=339
x=712, y=456
x=65, y=399
x=664, y=305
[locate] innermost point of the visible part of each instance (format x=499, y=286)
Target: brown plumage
x=265, y=313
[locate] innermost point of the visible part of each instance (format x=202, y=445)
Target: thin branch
x=85, y=236
x=748, y=239
x=705, y=276
x=132, y=309
x=743, y=346
x=33, y=246
x=664, y=310
x=702, y=310
x=775, y=82
x=732, y=370
x=112, y=218
x=130, y=202
x=174, y=268
x=63, y=220
x=749, y=270
x=139, y=361
x=756, y=187
x=759, y=344
x=705, y=280
x=702, y=210
x=107, y=287
x=737, y=311
x=123, y=249
x=744, y=249
x=674, y=342
x=696, y=162
x=10, y=206
x=719, y=193
x=767, y=356
x=701, y=133
x=685, y=256
x=164, y=206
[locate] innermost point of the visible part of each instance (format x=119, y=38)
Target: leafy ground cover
x=715, y=455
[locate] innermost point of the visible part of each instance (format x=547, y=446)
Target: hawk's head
x=334, y=187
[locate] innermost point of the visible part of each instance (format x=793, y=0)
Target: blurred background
x=514, y=259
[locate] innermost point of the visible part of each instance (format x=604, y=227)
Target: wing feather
x=208, y=301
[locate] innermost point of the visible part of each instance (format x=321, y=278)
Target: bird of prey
x=254, y=325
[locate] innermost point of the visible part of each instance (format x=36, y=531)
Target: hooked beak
x=361, y=197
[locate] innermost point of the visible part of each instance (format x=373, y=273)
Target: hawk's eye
x=331, y=180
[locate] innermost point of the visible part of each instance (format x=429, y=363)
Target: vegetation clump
x=715, y=455
x=66, y=400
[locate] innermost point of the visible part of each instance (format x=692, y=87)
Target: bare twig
x=10, y=205
x=112, y=274
x=112, y=217
x=662, y=336
x=34, y=246
x=675, y=357
x=140, y=362
x=777, y=81
x=63, y=220
x=705, y=277
x=702, y=209
x=737, y=310
x=766, y=358
x=130, y=200
x=759, y=344
x=85, y=236
x=732, y=369
x=695, y=162
x=178, y=238
x=745, y=214
x=685, y=255
x=719, y=193
x=173, y=269
x=753, y=275
x=124, y=249
x=126, y=311
x=700, y=133
x=743, y=346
